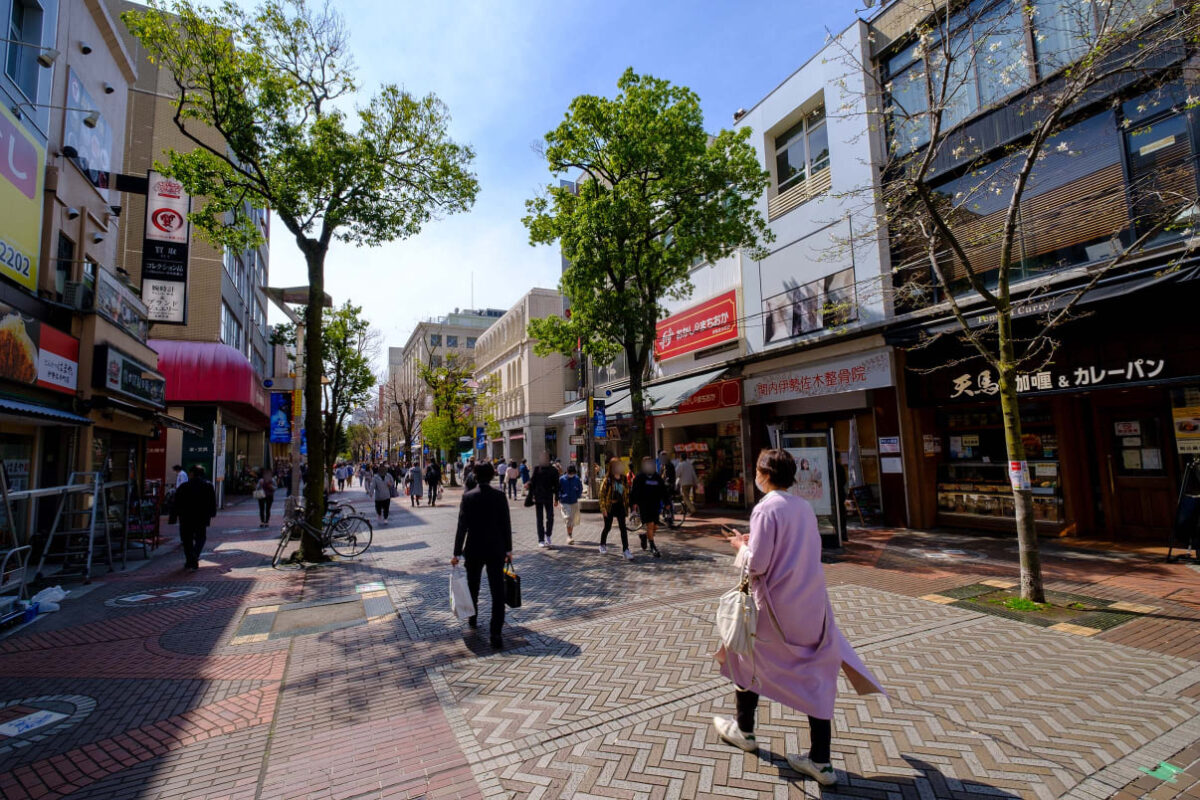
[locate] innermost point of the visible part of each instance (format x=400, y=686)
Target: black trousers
x=512, y=488
x=821, y=730
x=264, y=508
x=619, y=516
x=495, y=575
x=383, y=506
x=193, y=537
x=432, y=497
x=545, y=510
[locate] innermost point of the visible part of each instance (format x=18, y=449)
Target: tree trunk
x=1027, y=543
x=638, y=441
x=314, y=494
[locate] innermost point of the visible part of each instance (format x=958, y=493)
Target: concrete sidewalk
x=353, y=680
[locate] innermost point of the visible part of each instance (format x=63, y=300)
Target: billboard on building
x=22, y=170
x=34, y=353
x=165, y=250
x=281, y=417
x=704, y=325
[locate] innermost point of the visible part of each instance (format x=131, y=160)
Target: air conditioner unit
x=75, y=294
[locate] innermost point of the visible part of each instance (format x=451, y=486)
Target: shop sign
x=931, y=444
x=117, y=303
x=722, y=394
x=869, y=370
x=599, y=419
x=91, y=143
x=710, y=323
x=1186, y=421
x=165, y=250
x=480, y=438
x=577, y=439
x=1129, y=428
x=34, y=353
x=281, y=419
x=22, y=170
x=985, y=383
x=117, y=372
x=889, y=444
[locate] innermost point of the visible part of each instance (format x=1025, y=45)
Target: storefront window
x=715, y=451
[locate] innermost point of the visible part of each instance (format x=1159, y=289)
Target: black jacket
x=543, y=485
x=648, y=492
x=195, y=503
x=484, y=527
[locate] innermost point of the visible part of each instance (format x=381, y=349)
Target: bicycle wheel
x=351, y=536
x=285, y=537
x=678, y=514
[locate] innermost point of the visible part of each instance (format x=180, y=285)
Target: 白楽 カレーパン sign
x=22, y=168
x=702, y=326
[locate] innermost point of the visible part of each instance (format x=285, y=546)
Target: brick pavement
x=606, y=688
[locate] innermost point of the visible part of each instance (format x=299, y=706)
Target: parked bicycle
x=347, y=533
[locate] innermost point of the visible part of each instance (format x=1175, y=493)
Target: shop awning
x=37, y=414
x=667, y=396
x=211, y=372
x=178, y=424
x=576, y=409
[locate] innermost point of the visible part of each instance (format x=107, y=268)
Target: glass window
x=66, y=260
x=471, y=342
x=1001, y=60
x=910, y=124
x=1061, y=32
x=960, y=98
x=231, y=328
x=24, y=26
x=435, y=362
x=802, y=151
x=451, y=341
x=435, y=340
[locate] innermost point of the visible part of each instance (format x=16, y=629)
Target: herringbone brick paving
x=607, y=688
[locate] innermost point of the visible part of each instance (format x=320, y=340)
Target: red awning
x=210, y=372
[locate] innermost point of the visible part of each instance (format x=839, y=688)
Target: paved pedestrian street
x=353, y=679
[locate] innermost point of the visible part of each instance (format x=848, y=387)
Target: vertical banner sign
x=599, y=419
x=281, y=418
x=22, y=169
x=165, y=251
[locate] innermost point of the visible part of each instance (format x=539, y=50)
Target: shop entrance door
x=1139, y=502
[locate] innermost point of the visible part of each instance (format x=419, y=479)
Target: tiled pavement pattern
x=607, y=687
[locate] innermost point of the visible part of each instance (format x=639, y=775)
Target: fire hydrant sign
x=1018, y=474
x=165, y=251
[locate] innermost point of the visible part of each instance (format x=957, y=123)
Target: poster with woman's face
x=812, y=478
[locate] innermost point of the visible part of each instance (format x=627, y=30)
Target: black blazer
x=195, y=503
x=484, y=527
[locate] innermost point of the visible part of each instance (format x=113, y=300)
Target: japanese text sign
x=34, y=353
x=984, y=383
x=869, y=370
x=710, y=323
x=165, y=250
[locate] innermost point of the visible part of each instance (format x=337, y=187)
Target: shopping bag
x=460, y=594
x=529, y=500
x=512, y=587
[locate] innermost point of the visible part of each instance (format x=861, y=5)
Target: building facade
x=523, y=388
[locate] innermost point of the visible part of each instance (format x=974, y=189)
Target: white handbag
x=460, y=594
x=737, y=618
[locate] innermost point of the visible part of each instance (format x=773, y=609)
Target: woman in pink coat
x=798, y=648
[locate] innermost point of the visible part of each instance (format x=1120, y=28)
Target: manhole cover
x=32, y=719
x=163, y=595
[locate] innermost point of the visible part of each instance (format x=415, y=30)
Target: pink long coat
x=800, y=667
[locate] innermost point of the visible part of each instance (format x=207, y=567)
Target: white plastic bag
x=460, y=594
x=737, y=619
x=49, y=598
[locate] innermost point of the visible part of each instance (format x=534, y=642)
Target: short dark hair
x=484, y=473
x=198, y=470
x=178, y=467
x=570, y=469
x=778, y=466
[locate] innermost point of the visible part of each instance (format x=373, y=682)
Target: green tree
x=272, y=83
x=656, y=194
x=450, y=387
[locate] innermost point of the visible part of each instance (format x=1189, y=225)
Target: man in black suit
x=484, y=539
x=195, y=506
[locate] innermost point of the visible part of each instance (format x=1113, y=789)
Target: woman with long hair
x=614, y=504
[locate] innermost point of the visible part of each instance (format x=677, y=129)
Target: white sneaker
x=823, y=774
x=570, y=540
x=542, y=545
x=603, y=550
x=628, y=556
x=730, y=733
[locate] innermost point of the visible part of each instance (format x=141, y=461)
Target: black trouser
x=193, y=537
x=495, y=573
x=545, y=511
x=433, y=487
x=383, y=506
x=264, y=508
x=619, y=516
x=821, y=730
x=512, y=488
x=341, y=484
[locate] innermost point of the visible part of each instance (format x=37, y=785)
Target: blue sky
x=507, y=71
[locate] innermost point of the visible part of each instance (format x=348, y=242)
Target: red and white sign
x=711, y=323
x=166, y=210
x=58, y=360
x=722, y=394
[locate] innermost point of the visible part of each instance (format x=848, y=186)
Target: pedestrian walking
x=382, y=484
x=646, y=495
x=543, y=485
x=523, y=471
x=799, y=651
x=433, y=479
x=469, y=475
x=340, y=472
x=666, y=468
x=180, y=475
x=512, y=474
x=570, y=489
x=414, y=485
x=264, y=490
x=484, y=540
x=686, y=475
x=195, y=507
x=614, y=504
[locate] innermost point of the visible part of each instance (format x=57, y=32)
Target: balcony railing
x=802, y=192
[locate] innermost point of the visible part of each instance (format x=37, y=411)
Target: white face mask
x=758, y=482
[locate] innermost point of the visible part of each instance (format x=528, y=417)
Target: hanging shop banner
x=599, y=419
x=22, y=170
x=868, y=370
x=116, y=372
x=87, y=137
x=281, y=418
x=722, y=394
x=165, y=250
x=36, y=354
x=117, y=303
x=710, y=323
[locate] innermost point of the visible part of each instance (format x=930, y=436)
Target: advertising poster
x=281, y=418
x=22, y=171
x=165, y=250
x=812, y=478
x=37, y=354
x=93, y=145
x=1186, y=421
